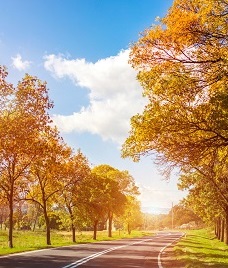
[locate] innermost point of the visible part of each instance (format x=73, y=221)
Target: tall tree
x=46, y=175
x=129, y=206
x=132, y=217
x=182, y=65
x=23, y=116
x=183, y=71
x=205, y=200
x=120, y=183
x=92, y=200
x=76, y=170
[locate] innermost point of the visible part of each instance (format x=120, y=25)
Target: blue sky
x=80, y=48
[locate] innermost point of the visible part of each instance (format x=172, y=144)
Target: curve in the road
x=161, y=251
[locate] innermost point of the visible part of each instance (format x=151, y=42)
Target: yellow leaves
x=28, y=145
x=180, y=25
x=193, y=33
x=182, y=65
x=31, y=98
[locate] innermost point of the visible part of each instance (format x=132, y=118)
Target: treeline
x=183, y=69
x=42, y=178
x=179, y=217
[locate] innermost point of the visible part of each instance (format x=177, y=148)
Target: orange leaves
x=193, y=33
x=183, y=70
x=182, y=66
x=32, y=99
x=23, y=117
x=182, y=20
x=37, y=166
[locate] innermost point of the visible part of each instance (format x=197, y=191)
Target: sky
x=81, y=49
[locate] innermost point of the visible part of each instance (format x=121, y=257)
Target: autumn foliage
x=182, y=65
x=39, y=172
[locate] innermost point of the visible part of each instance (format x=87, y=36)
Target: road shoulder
x=168, y=258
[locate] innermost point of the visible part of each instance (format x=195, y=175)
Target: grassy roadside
x=28, y=240
x=200, y=248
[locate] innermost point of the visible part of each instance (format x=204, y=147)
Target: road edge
x=161, y=251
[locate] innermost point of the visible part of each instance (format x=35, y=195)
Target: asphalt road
x=126, y=253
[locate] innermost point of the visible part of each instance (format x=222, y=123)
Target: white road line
x=23, y=253
x=95, y=255
x=160, y=252
x=38, y=250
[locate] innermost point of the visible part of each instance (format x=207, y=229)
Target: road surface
x=126, y=253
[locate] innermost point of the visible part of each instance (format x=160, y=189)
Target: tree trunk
x=222, y=230
x=48, y=235
x=10, y=242
x=95, y=230
x=34, y=225
x=48, y=229
x=110, y=217
x=35, y=220
x=226, y=227
x=73, y=233
x=128, y=228
x=73, y=229
x=218, y=228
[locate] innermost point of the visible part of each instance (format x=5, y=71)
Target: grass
x=28, y=240
x=200, y=248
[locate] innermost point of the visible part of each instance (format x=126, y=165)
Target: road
x=126, y=253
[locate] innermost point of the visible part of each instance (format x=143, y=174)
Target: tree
x=131, y=207
x=204, y=199
x=32, y=215
x=76, y=170
x=182, y=214
x=132, y=216
x=92, y=200
x=182, y=65
x=183, y=71
x=45, y=176
x=23, y=116
x=120, y=185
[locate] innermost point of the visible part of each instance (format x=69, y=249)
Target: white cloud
x=114, y=94
x=19, y=64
